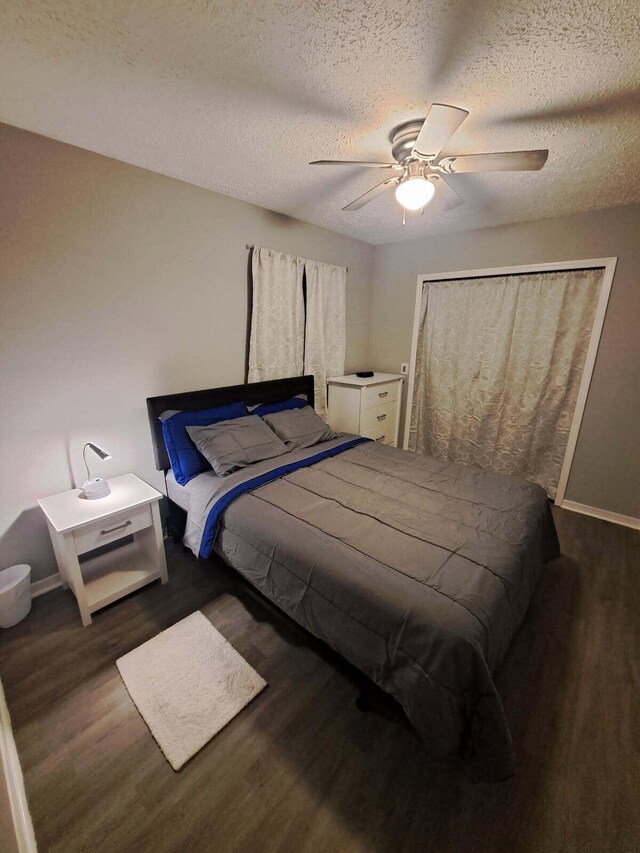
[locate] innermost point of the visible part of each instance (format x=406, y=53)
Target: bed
x=415, y=570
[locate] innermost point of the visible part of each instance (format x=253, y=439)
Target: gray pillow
x=299, y=428
x=229, y=445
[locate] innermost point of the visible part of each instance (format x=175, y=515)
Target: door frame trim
x=10, y=769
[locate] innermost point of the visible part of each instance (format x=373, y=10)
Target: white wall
x=117, y=284
x=606, y=467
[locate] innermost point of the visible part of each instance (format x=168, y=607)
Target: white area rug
x=187, y=683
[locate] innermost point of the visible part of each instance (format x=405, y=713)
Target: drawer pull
x=381, y=417
x=383, y=393
x=381, y=438
x=113, y=529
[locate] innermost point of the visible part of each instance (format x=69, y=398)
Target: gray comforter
x=415, y=570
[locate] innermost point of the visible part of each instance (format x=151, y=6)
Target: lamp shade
x=103, y=454
x=95, y=487
x=413, y=193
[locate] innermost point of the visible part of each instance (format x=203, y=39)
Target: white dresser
x=369, y=407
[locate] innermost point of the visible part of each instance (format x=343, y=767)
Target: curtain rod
x=505, y=275
x=252, y=246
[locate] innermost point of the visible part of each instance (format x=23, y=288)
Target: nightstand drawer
x=377, y=394
x=111, y=529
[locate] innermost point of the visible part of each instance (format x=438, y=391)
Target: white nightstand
x=77, y=525
x=369, y=407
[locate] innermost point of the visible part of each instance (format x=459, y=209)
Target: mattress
x=180, y=495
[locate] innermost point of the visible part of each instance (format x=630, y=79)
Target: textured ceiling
x=238, y=97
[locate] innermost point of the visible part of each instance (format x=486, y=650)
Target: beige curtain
x=276, y=348
x=325, y=331
x=498, y=367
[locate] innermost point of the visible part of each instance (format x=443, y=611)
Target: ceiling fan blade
x=503, y=161
x=447, y=197
x=365, y=198
x=368, y=163
x=441, y=123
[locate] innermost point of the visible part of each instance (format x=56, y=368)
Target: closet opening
x=501, y=362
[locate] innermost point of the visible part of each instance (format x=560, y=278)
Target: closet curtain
x=276, y=347
x=325, y=331
x=498, y=367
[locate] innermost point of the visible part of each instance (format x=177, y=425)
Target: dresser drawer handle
x=113, y=529
x=381, y=438
x=383, y=393
x=381, y=417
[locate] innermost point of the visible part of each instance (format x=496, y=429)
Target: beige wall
x=117, y=284
x=606, y=468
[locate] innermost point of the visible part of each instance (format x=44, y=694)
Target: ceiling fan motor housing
x=403, y=139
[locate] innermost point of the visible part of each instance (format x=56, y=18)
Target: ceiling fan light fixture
x=417, y=147
x=414, y=193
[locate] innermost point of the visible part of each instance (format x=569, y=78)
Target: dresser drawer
x=381, y=436
x=378, y=417
x=111, y=529
x=374, y=395
x=380, y=423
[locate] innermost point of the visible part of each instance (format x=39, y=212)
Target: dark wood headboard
x=272, y=391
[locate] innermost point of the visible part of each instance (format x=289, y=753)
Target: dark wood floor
x=302, y=769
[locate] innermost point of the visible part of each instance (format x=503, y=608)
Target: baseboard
x=24, y=835
x=45, y=585
x=603, y=514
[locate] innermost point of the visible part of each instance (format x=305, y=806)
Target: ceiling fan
x=415, y=146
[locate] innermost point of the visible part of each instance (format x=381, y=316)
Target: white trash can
x=15, y=594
